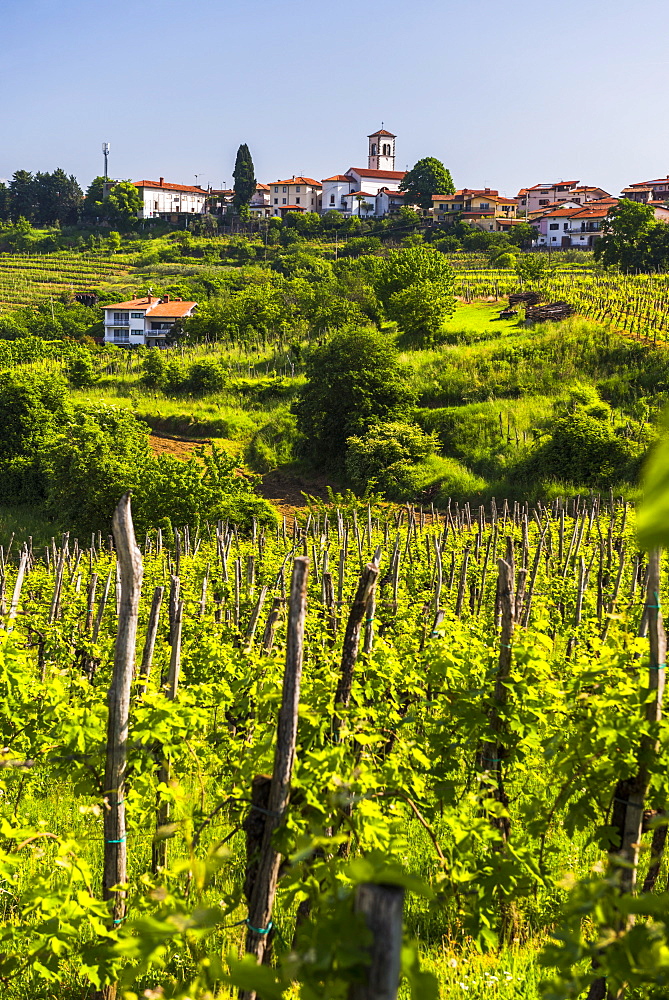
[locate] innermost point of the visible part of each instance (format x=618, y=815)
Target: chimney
x=166, y=298
x=162, y=181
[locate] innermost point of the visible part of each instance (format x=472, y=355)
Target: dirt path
x=284, y=489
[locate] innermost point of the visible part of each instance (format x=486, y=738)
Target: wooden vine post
x=381, y=906
x=627, y=813
x=115, y=847
x=263, y=891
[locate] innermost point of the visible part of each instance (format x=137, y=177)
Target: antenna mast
x=105, y=151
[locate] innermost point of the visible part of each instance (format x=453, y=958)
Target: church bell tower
x=381, y=154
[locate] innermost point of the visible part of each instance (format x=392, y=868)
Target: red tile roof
x=300, y=180
x=395, y=175
x=153, y=306
x=171, y=309
x=382, y=131
x=337, y=177
x=363, y=194
x=164, y=186
x=642, y=184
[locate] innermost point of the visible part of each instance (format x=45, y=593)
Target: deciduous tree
x=427, y=177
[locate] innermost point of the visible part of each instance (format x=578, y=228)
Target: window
x=284, y=189
x=554, y=225
x=297, y=200
x=283, y=200
x=155, y=205
x=136, y=333
x=121, y=334
x=276, y=200
x=484, y=206
x=298, y=188
x=136, y=315
x=121, y=317
x=332, y=199
x=276, y=190
x=373, y=149
x=565, y=225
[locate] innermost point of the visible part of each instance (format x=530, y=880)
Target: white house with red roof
x=162, y=200
x=144, y=322
x=579, y=226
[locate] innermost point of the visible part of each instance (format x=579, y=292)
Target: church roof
x=382, y=131
x=393, y=175
x=336, y=177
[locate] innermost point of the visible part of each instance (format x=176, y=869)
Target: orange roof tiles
x=382, y=131
x=337, y=177
x=300, y=180
x=153, y=306
x=164, y=186
x=396, y=175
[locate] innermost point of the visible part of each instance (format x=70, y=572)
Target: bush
x=82, y=372
x=32, y=407
x=386, y=456
x=153, y=368
x=421, y=311
x=274, y=443
x=353, y=382
x=207, y=376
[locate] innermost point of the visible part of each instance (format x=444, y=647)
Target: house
x=378, y=176
x=162, y=200
x=648, y=192
x=298, y=194
x=220, y=200
x=540, y=196
x=483, y=207
x=260, y=206
x=144, y=322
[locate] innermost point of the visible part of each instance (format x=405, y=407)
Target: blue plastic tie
x=119, y=841
x=258, y=930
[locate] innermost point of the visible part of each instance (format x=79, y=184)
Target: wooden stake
x=264, y=888
x=118, y=699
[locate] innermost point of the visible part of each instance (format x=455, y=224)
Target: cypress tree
x=244, y=175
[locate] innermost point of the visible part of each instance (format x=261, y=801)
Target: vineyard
x=27, y=279
x=468, y=708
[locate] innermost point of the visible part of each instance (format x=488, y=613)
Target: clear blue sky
x=506, y=94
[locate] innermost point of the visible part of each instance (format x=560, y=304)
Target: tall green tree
x=23, y=202
x=93, y=207
x=4, y=202
x=625, y=235
x=58, y=198
x=244, y=175
x=427, y=177
x=122, y=205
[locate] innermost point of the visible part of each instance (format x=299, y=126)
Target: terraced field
x=27, y=279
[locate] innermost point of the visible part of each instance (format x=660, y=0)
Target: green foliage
x=421, y=311
x=82, y=372
x=385, y=457
x=120, y=208
x=631, y=239
x=32, y=407
x=427, y=177
x=244, y=176
x=403, y=268
x=352, y=382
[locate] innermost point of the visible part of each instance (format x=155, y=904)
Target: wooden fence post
x=115, y=848
x=352, y=635
x=259, y=920
x=382, y=907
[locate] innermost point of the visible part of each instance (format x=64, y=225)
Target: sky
x=506, y=94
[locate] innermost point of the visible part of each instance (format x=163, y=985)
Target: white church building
x=367, y=191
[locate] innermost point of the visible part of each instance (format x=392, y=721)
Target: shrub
x=352, y=383
x=207, y=376
x=32, y=406
x=421, y=310
x=273, y=444
x=82, y=372
x=386, y=456
x=153, y=367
